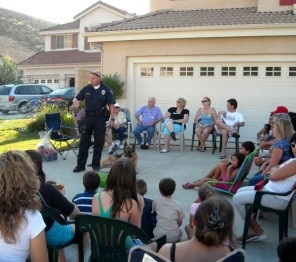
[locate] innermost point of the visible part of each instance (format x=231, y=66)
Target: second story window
x=64, y=41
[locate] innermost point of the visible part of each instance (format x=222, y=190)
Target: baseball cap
x=96, y=73
x=280, y=109
x=117, y=105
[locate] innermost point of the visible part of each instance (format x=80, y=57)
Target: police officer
x=96, y=96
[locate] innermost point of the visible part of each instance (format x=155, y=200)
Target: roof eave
x=58, y=32
x=193, y=32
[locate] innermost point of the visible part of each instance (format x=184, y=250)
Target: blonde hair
x=284, y=124
x=182, y=101
x=205, y=191
x=19, y=185
x=207, y=98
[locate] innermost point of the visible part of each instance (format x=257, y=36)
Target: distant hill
x=19, y=34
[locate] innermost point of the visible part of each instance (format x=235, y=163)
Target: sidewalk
x=182, y=167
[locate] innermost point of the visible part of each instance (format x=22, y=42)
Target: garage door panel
x=257, y=96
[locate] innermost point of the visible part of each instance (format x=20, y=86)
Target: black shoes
x=173, y=136
x=235, y=135
x=145, y=147
x=78, y=169
x=96, y=169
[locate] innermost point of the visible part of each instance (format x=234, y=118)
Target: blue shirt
x=84, y=202
x=149, y=115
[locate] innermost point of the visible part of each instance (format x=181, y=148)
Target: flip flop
x=200, y=149
x=251, y=238
x=187, y=186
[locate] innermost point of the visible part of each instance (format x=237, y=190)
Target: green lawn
x=13, y=135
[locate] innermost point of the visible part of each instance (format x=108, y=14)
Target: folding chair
x=212, y=133
x=129, y=123
x=180, y=135
x=231, y=187
x=60, y=141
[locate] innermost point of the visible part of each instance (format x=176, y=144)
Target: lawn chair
x=108, y=237
x=231, y=187
x=236, y=140
x=53, y=252
x=61, y=142
x=212, y=133
x=283, y=214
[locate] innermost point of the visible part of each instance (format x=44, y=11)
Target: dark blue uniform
x=94, y=122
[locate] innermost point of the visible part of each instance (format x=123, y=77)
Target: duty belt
x=97, y=113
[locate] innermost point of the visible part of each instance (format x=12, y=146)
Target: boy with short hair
x=169, y=212
x=91, y=182
x=148, y=217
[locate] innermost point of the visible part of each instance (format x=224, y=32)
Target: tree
x=114, y=83
x=8, y=71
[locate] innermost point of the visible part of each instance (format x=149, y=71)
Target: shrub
x=38, y=123
x=114, y=83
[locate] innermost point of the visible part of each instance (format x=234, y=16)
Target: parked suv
x=16, y=97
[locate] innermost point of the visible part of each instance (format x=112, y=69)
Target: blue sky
x=63, y=11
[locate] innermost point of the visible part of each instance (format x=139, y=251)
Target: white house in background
x=194, y=48
x=68, y=56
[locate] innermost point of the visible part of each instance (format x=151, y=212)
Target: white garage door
x=258, y=87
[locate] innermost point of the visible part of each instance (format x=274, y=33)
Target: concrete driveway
x=182, y=167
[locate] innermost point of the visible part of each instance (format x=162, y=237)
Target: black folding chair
x=61, y=142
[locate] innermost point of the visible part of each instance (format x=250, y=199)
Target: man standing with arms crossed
x=96, y=96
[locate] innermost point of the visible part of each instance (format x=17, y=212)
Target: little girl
x=224, y=172
x=204, y=192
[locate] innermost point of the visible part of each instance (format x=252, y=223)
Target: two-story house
x=68, y=57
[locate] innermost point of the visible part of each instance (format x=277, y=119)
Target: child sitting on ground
x=204, y=192
x=169, y=212
x=148, y=217
x=91, y=182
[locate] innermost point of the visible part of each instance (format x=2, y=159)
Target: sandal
x=251, y=238
x=187, y=186
x=222, y=156
x=200, y=149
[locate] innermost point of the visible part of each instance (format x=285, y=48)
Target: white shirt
x=19, y=251
x=232, y=117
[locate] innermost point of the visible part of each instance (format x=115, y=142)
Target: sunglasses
x=293, y=145
x=203, y=101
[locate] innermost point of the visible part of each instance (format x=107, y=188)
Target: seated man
x=228, y=123
x=120, y=127
x=150, y=115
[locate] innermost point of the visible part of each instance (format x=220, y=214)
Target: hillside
x=19, y=34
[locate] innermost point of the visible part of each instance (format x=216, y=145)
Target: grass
x=13, y=135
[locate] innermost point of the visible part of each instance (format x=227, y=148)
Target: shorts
x=58, y=234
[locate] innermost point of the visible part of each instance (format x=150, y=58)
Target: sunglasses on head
x=293, y=145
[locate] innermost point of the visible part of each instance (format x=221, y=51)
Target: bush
x=114, y=83
x=38, y=123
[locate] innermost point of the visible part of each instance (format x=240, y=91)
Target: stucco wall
x=115, y=54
